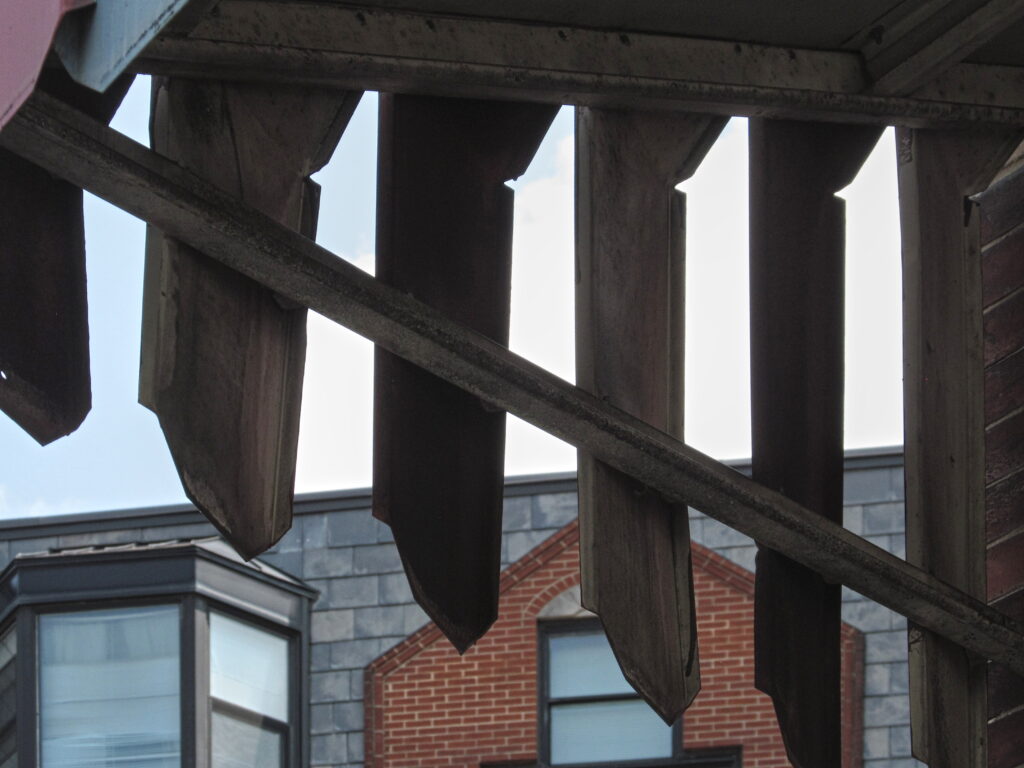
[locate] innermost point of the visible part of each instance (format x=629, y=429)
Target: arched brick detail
x=427, y=706
x=536, y=605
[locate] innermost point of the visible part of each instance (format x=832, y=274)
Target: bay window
x=152, y=656
x=109, y=687
x=248, y=695
x=8, y=700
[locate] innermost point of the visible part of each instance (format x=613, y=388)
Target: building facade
x=377, y=682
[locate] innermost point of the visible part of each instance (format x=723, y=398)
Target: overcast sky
x=118, y=458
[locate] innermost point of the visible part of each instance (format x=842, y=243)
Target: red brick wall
x=427, y=707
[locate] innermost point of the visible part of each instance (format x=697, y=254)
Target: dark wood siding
x=1002, y=235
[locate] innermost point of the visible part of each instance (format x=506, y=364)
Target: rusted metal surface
x=405, y=51
x=944, y=417
x=1005, y=566
x=222, y=359
x=1004, y=387
x=630, y=263
x=1002, y=506
x=1004, y=447
x=45, y=384
x=1000, y=212
x=183, y=205
x=1007, y=741
x=26, y=33
x=797, y=249
x=1004, y=327
x=1003, y=266
x=444, y=236
x=1002, y=227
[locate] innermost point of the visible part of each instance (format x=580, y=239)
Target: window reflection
x=241, y=744
x=593, y=714
x=248, y=667
x=249, y=684
x=8, y=702
x=109, y=688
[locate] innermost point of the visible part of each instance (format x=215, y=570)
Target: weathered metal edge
x=402, y=51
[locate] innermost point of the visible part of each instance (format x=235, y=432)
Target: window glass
x=248, y=667
x=593, y=715
x=582, y=664
x=607, y=730
x=241, y=744
x=8, y=701
x=109, y=688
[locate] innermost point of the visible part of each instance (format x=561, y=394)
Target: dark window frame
x=32, y=727
x=285, y=730
x=292, y=735
x=680, y=758
x=188, y=575
x=10, y=729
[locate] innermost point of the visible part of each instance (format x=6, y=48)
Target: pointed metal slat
x=630, y=245
x=222, y=357
x=149, y=186
x=45, y=385
x=797, y=246
x=444, y=236
x=944, y=419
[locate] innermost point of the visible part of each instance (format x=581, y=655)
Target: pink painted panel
x=26, y=32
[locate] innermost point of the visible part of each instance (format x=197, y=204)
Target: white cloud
x=874, y=349
x=336, y=427
x=336, y=431
x=717, y=287
x=39, y=507
x=543, y=287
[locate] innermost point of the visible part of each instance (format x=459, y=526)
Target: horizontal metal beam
x=398, y=51
x=153, y=188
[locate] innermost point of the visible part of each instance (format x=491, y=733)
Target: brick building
x=375, y=685
x=427, y=706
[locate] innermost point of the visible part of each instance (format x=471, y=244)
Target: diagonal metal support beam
x=444, y=235
x=944, y=417
x=222, y=360
x=909, y=48
x=109, y=165
x=797, y=265
x=630, y=328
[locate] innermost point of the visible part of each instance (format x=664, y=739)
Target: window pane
x=607, y=730
x=8, y=701
x=238, y=744
x=248, y=667
x=108, y=688
x=582, y=664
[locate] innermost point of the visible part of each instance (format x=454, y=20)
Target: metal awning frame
x=919, y=83
x=153, y=188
